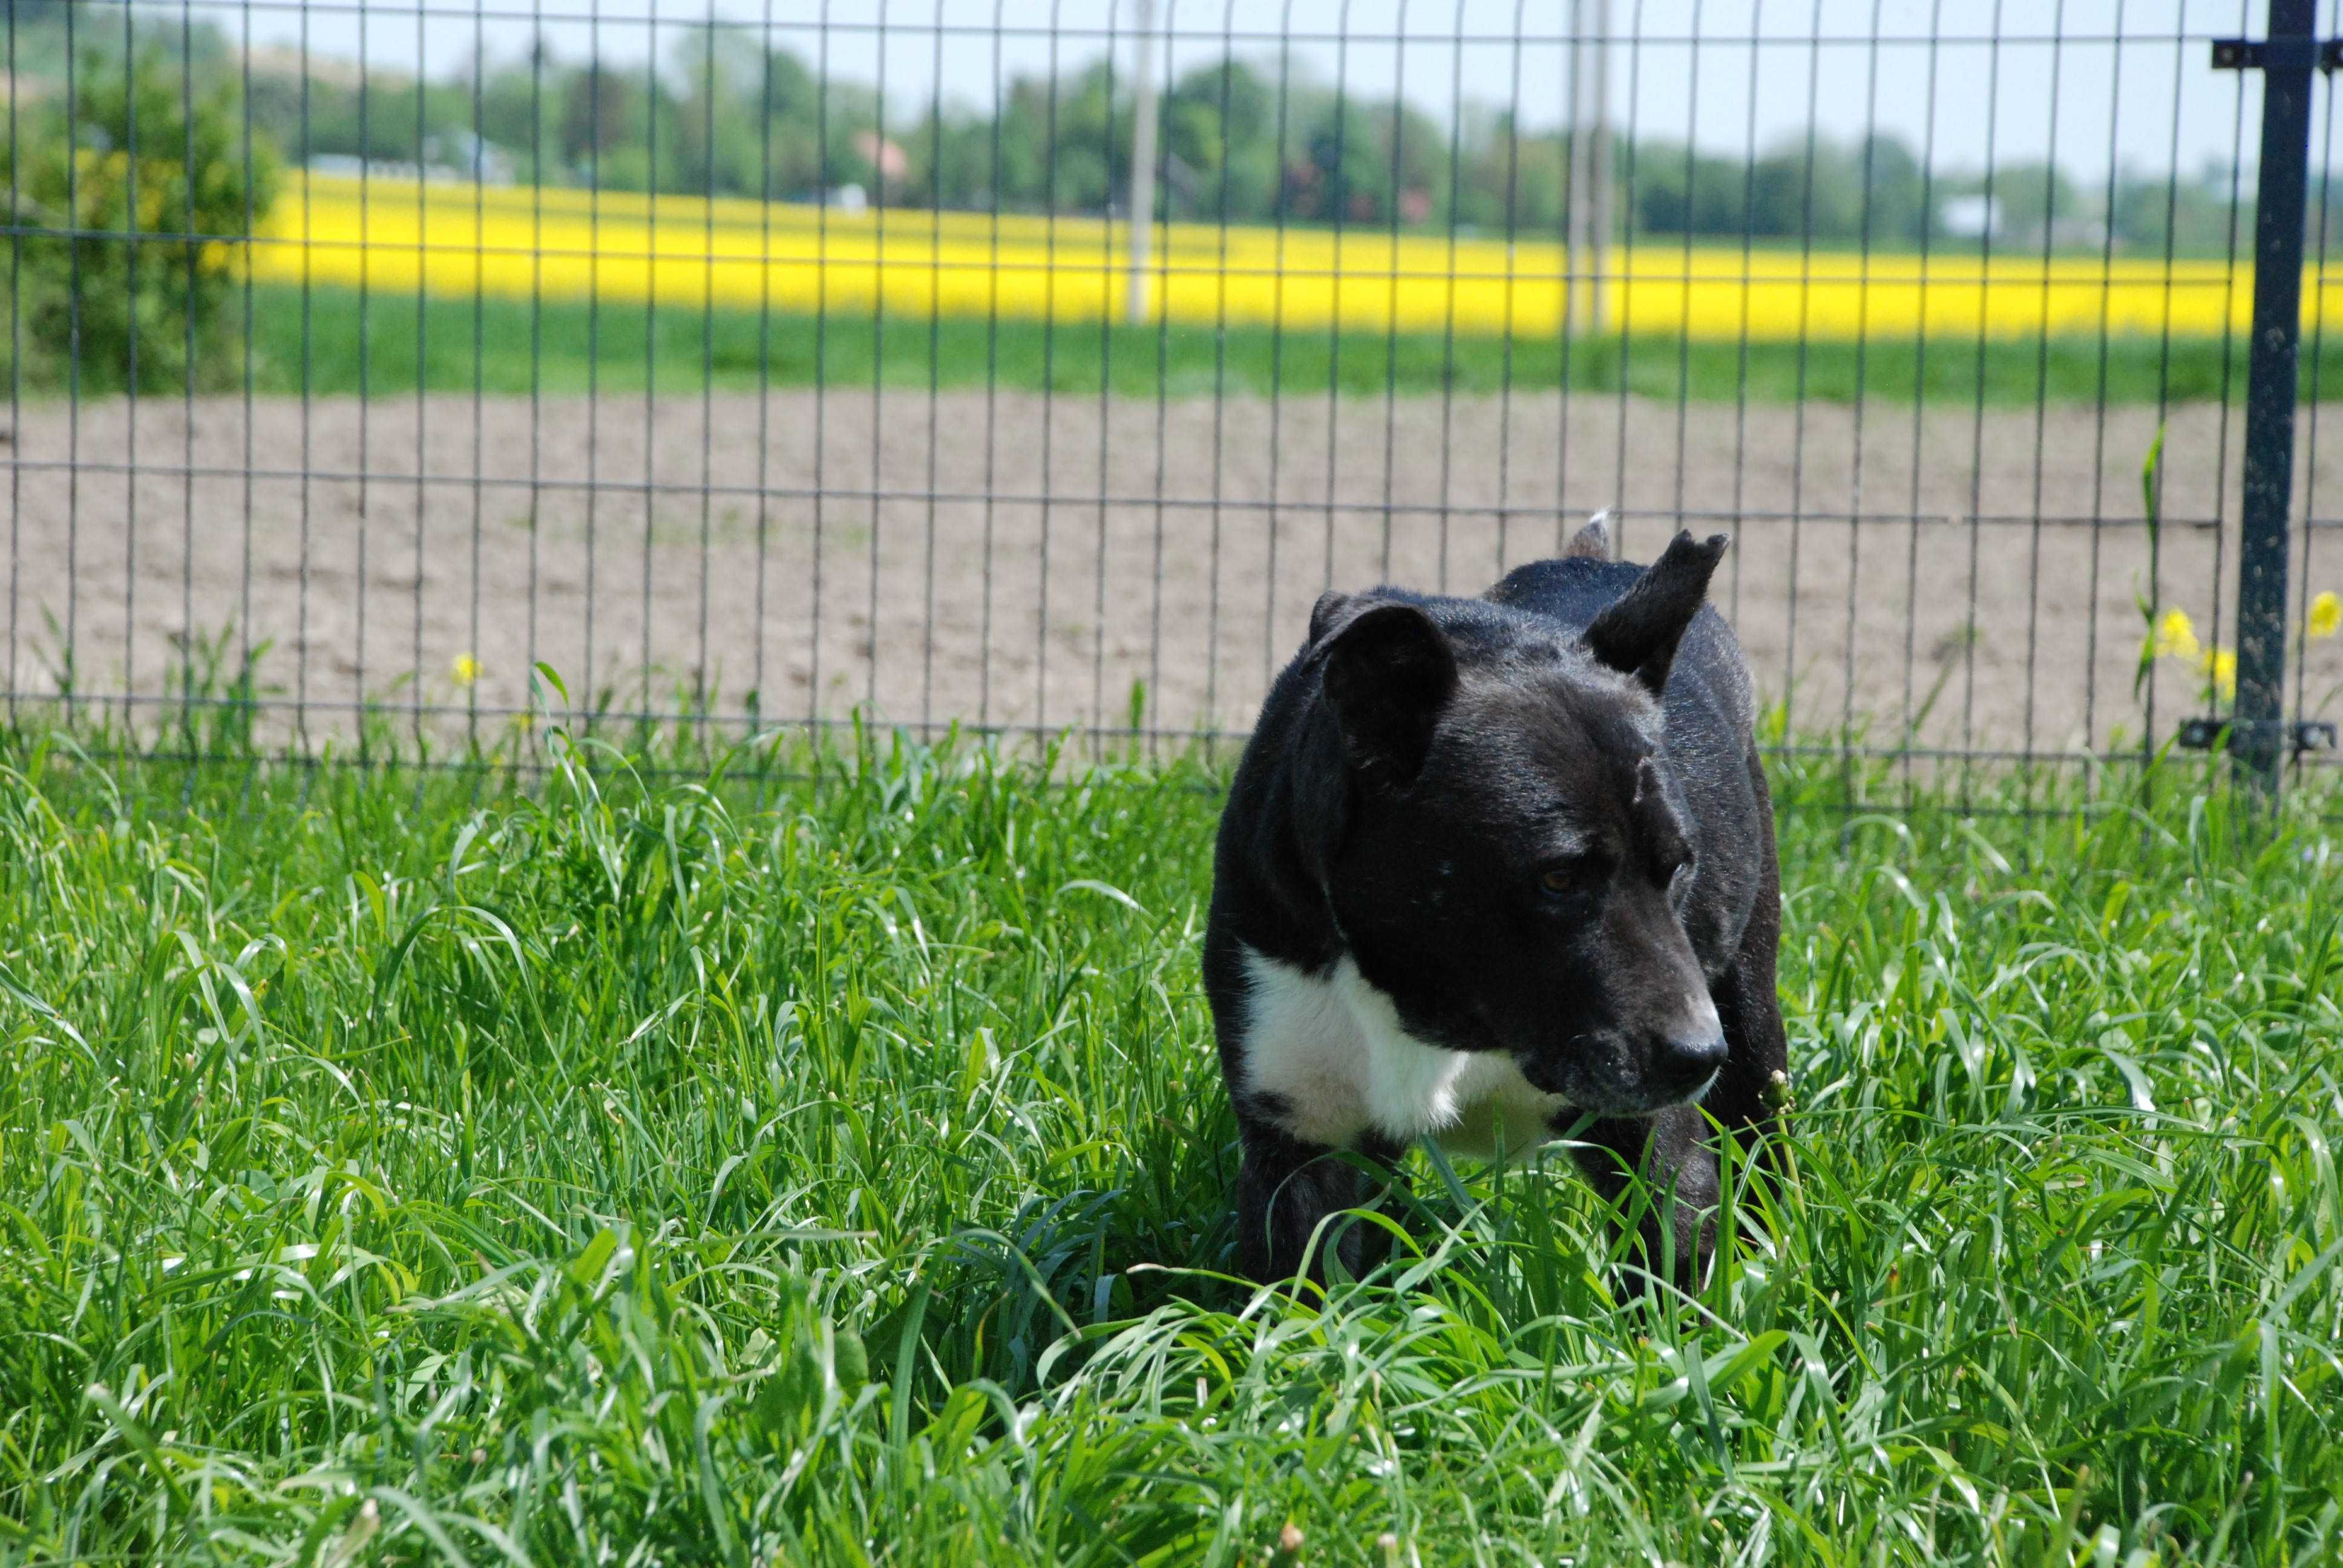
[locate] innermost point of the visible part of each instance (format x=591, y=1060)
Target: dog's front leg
x=1285, y=1191
x=1750, y=1090
x=1675, y=1212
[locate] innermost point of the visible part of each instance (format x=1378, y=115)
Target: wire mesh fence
x=972, y=365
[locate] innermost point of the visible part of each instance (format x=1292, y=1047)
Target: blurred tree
x=950, y=152
x=1510, y=179
x=2195, y=215
x=1829, y=192
x=520, y=112
x=1368, y=160
x=602, y=116
x=1898, y=190
x=758, y=122
x=1221, y=124
x=124, y=273
x=2041, y=205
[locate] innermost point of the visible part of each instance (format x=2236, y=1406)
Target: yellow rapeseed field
x=455, y=239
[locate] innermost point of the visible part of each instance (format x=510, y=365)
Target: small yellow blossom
x=2176, y=635
x=2220, y=668
x=466, y=670
x=2326, y=614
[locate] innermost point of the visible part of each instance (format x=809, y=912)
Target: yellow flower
x=568, y=244
x=2176, y=635
x=2326, y=614
x=466, y=670
x=2220, y=667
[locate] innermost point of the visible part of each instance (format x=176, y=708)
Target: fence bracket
x=2276, y=54
x=2301, y=737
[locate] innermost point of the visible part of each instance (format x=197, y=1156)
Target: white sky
x=2131, y=77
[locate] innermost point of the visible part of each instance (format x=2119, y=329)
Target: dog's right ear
x=1328, y=613
x=1389, y=671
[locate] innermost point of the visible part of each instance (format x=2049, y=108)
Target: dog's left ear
x=1637, y=633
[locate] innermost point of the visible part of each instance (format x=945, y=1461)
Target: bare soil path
x=1025, y=560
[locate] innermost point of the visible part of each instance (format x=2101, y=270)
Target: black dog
x=1490, y=867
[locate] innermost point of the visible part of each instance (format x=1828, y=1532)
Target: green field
x=338, y=347
x=822, y=1159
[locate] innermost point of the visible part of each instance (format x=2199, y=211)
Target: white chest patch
x=1332, y=1048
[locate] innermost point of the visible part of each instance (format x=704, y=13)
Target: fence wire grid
x=1033, y=372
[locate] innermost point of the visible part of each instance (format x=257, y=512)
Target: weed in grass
x=820, y=1158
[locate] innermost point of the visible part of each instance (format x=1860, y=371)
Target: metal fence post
x=2286, y=59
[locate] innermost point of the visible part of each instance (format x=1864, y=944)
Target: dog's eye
x=1569, y=878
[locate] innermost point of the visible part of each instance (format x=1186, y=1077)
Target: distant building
x=21, y=89
x=1970, y=217
x=473, y=158
x=884, y=155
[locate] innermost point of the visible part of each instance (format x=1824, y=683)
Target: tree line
x=1247, y=141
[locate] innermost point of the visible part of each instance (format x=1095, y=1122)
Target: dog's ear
x=1637, y=633
x=1593, y=542
x=1389, y=672
x=1327, y=613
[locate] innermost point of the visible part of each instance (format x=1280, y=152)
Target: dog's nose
x=1682, y=1066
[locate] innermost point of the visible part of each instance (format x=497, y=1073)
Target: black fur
x=1537, y=823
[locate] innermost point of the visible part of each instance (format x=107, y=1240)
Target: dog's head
x=1513, y=855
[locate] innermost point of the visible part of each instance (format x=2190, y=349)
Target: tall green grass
x=385, y=346
x=821, y=1158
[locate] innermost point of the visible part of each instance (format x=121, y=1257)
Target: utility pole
x=1598, y=249
x=1574, y=225
x=1587, y=240
x=1142, y=169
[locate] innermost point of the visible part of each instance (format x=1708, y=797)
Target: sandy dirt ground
x=1030, y=561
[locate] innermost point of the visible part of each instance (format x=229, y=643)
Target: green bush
x=137, y=184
